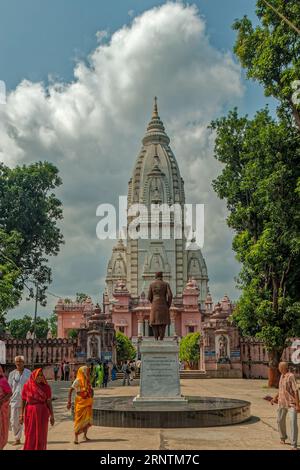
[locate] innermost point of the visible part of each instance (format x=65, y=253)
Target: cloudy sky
x=81, y=77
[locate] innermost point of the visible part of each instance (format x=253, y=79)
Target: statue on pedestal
x=160, y=296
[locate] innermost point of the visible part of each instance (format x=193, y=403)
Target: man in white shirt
x=16, y=379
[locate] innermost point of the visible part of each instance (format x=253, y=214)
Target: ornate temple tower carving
x=156, y=180
x=117, y=267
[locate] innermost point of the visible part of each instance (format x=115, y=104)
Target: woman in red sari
x=36, y=410
x=5, y=394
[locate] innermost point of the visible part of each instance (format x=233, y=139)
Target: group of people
x=101, y=373
x=26, y=399
x=129, y=370
x=64, y=369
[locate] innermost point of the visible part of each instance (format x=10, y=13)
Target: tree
x=53, y=324
x=81, y=297
x=259, y=183
x=19, y=327
x=73, y=334
x=29, y=212
x=125, y=349
x=9, y=294
x=270, y=52
x=189, y=349
x=41, y=328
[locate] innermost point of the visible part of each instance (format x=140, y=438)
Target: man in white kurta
x=16, y=379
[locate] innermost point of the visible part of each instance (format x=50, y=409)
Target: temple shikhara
x=155, y=180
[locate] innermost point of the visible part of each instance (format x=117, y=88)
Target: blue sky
x=42, y=38
x=57, y=39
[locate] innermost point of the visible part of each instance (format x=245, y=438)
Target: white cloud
x=92, y=128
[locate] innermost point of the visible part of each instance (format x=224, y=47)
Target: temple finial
x=155, y=108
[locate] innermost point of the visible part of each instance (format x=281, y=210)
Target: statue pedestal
x=160, y=380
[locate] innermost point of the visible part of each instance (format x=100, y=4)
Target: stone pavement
x=258, y=433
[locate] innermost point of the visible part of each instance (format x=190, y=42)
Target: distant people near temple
x=5, y=394
x=55, y=371
x=83, y=406
x=288, y=403
x=132, y=370
x=62, y=371
x=36, y=411
x=126, y=373
x=138, y=366
x=105, y=374
x=99, y=374
x=66, y=371
x=114, y=371
x=17, y=379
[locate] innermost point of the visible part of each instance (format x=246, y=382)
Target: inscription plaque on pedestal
x=160, y=379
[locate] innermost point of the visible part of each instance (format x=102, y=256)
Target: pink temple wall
x=68, y=320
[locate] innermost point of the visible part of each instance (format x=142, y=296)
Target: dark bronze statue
x=160, y=296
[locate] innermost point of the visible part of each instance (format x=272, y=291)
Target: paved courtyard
x=258, y=433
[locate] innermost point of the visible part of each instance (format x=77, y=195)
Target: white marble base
x=160, y=380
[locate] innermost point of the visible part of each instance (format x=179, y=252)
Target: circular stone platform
x=200, y=412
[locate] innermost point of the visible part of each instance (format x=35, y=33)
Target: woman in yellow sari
x=83, y=407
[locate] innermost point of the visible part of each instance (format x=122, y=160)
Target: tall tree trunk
x=274, y=374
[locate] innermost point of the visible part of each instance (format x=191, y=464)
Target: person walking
x=17, y=379
x=83, y=407
x=67, y=371
x=55, y=370
x=5, y=394
x=126, y=372
x=99, y=374
x=105, y=374
x=288, y=404
x=36, y=411
x=114, y=371
x=62, y=371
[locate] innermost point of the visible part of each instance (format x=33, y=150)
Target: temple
x=156, y=180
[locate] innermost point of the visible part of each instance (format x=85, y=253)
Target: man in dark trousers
x=160, y=296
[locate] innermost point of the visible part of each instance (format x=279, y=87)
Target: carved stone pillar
x=173, y=313
x=140, y=318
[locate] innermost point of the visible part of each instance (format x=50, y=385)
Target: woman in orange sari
x=36, y=411
x=83, y=407
x=5, y=394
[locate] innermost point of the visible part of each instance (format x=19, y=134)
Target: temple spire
x=155, y=131
x=155, y=109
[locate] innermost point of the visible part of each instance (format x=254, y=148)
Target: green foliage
x=9, y=294
x=53, y=324
x=42, y=327
x=189, y=349
x=125, y=349
x=73, y=334
x=20, y=327
x=270, y=52
x=29, y=212
x=81, y=297
x=260, y=184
